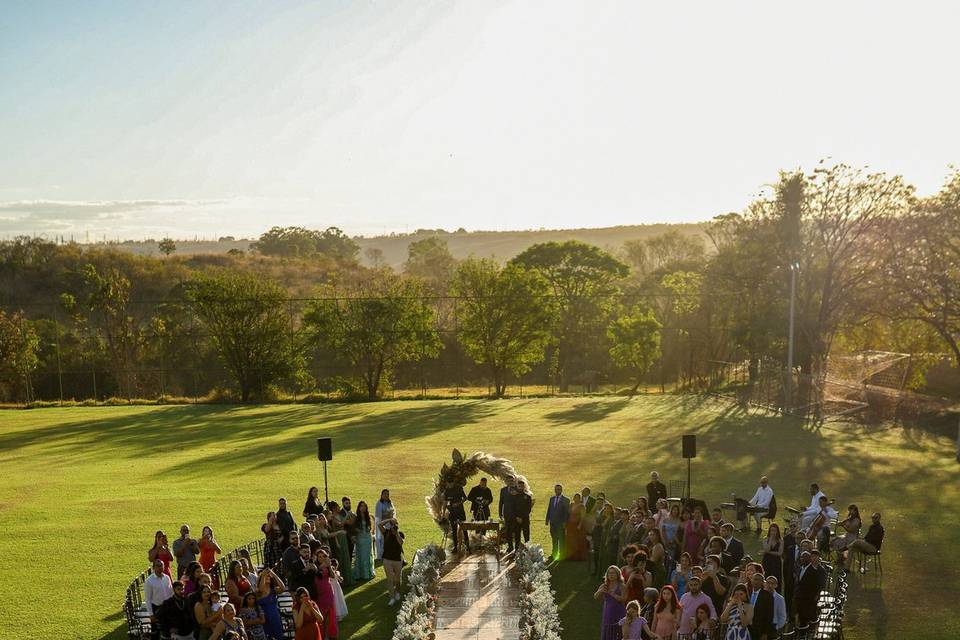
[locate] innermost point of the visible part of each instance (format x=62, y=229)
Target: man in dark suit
x=455, y=498
x=761, y=627
x=558, y=512
x=656, y=490
x=506, y=510
x=789, y=564
x=589, y=502
x=480, y=498
x=808, y=587
x=523, y=505
x=734, y=547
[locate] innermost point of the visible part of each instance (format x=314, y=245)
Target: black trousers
x=455, y=520
x=525, y=527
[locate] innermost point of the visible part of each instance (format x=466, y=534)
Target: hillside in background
x=502, y=245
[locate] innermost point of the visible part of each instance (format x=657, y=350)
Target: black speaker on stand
x=689, y=452
x=325, y=453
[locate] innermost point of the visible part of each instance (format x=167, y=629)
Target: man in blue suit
x=558, y=511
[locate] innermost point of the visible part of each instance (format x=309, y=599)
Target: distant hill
x=501, y=245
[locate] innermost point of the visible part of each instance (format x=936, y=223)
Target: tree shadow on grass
x=587, y=412
x=852, y=464
x=257, y=433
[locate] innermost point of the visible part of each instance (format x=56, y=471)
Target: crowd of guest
x=331, y=549
x=674, y=570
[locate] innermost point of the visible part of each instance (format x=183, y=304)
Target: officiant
x=480, y=498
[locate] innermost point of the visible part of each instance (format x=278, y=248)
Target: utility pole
x=788, y=387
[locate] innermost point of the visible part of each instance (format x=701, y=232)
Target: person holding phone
x=209, y=549
x=306, y=616
x=613, y=594
x=324, y=589
x=738, y=614
x=634, y=625
x=161, y=551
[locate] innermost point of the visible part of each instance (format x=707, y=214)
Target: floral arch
x=459, y=471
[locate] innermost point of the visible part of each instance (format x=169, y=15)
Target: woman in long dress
x=306, y=616
x=326, y=601
x=383, y=506
x=666, y=618
x=363, y=564
x=574, y=534
x=613, y=594
x=773, y=554
x=738, y=614
x=268, y=585
x=339, y=602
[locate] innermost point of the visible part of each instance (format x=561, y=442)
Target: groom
x=558, y=511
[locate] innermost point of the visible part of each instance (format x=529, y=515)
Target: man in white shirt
x=761, y=499
x=806, y=518
x=157, y=588
x=779, y=603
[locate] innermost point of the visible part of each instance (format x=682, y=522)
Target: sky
x=134, y=120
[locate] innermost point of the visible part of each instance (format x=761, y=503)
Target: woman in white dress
x=339, y=602
x=383, y=506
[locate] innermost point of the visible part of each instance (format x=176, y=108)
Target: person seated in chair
x=819, y=529
x=761, y=500
x=869, y=544
x=807, y=515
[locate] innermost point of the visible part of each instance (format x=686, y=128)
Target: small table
x=464, y=529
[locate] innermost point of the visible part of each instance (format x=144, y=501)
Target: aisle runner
x=477, y=600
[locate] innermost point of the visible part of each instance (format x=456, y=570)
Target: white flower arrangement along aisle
x=539, y=617
x=417, y=611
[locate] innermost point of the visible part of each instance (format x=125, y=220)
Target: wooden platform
x=478, y=599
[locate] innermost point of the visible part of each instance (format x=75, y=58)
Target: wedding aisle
x=478, y=599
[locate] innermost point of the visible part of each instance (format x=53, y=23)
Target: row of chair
x=139, y=626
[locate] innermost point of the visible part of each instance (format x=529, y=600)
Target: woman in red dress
x=208, y=554
x=237, y=584
x=161, y=551
x=575, y=538
x=307, y=616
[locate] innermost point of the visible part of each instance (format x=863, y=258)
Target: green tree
x=583, y=279
x=504, y=317
x=636, y=342
x=431, y=260
x=245, y=315
x=108, y=297
x=298, y=242
x=18, y=355
x=374, y=325
x=667, y=251
x=921, y=266
x=167, y=246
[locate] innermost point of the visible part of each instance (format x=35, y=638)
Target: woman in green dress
x=363, y=565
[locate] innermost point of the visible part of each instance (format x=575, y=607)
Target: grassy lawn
x=83, y=490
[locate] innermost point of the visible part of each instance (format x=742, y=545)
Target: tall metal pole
x=326, y=494
x=788, y=400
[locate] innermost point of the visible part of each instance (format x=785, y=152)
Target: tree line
x=872, y=267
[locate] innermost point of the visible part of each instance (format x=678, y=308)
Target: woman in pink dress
x=326, y=601
x=666, y=618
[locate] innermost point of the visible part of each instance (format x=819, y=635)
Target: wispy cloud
x=80, y=210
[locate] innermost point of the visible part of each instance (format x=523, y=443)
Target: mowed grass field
x=83, y=490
